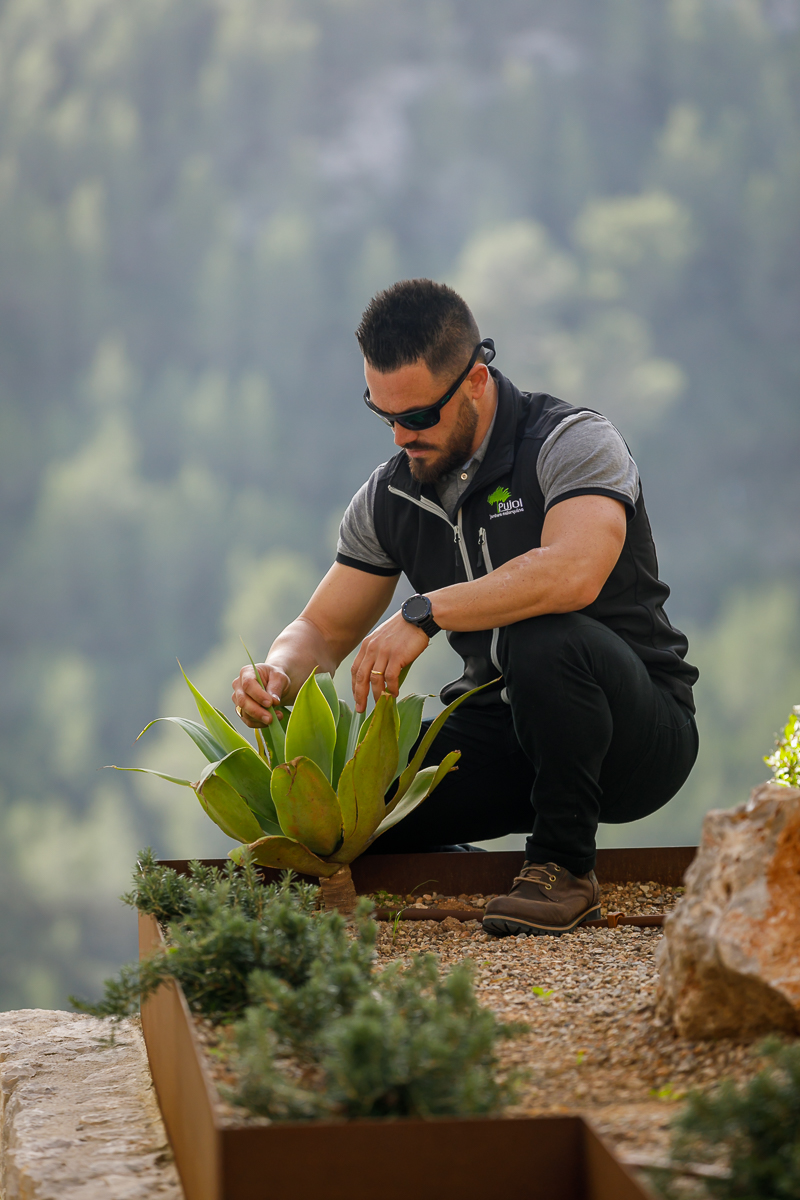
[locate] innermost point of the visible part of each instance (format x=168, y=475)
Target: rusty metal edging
x=533, y=1158
x=492, y=872
x=185, y=1091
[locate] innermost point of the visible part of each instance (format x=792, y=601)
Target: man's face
x=435, y=451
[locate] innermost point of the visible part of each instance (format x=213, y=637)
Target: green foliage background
x=197, y=197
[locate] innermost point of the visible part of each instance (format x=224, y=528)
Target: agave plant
x=311, y=797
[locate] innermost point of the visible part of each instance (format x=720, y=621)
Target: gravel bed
x=594, y=1045
x=632, y=899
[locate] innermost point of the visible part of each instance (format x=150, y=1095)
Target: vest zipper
x=487, y=562
x=460, y=543
x=458, y=536
x=458, y=532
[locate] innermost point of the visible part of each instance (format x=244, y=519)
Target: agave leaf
x=328, y=689
x=227, y=808
x=216, y=724
x=366, y=721
x=353, y=735
x=365, y=778
x=285, y=854
x=423, y=784
x=409, y=710
x=307, y=806
x=160, y=774
x=311, y=732
x=342, y=736
x=198, y=733
x=275, y=736
x=250, y=776
x=408, y=774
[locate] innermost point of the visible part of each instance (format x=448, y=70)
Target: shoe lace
x=537, y=873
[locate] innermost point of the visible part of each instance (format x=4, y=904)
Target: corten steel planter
x=537, y=1158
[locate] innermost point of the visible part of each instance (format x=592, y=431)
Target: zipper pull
x=456, y=535
x=481, y=536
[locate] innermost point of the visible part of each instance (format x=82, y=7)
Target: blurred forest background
x=197, y=198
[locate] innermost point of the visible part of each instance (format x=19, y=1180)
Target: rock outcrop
x=78, y=1116
x=730, y=958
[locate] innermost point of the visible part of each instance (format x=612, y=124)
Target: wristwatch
x=417, y=611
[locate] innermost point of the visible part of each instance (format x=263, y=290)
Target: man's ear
x=478, y=379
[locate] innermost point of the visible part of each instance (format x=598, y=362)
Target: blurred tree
x=197, y=198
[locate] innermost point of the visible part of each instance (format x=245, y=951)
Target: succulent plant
x=311, y=798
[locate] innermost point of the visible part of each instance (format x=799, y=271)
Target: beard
x=453, y=453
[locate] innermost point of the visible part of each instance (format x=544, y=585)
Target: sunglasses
x=430, y=415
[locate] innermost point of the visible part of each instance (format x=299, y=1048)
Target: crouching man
x=520, y=521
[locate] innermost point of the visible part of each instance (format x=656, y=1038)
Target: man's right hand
x=256, y=695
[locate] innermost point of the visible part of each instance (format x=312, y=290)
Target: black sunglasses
x=427, y=417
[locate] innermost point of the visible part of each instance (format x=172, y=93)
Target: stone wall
x=79, y=1119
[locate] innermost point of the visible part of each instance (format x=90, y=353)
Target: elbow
x=581, y=593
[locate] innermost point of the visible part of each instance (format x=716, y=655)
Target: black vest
x=500, y=516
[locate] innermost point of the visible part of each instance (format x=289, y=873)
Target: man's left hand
x=384, y=653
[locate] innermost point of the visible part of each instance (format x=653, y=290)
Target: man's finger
x=362, y=677
x=391, y=677
x=377, y=681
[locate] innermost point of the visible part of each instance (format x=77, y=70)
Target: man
x=520, y=522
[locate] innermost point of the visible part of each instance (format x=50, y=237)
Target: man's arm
x=582, y=538
x=341, y=612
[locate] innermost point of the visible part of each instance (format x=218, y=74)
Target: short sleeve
x=358, y=544
x=584, y=456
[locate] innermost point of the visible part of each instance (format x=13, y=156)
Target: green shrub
x=229, y=925
x=318, y=1031
x=413, y=1044
x=756, y=1128
x=785, y=760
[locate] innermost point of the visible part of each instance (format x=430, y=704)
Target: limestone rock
x=78, y=1116
x=730, y=958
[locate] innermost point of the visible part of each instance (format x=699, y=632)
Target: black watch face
x=417, y=608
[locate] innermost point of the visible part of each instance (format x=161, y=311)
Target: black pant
x=588, y=736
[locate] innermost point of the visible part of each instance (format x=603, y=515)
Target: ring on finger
x=376, y=672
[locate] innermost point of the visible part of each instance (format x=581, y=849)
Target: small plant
x=541, y=994
x=785, y=759
x=312, y=797
x=230, y=927
x=316, y=1030
x=667, y=1093
x=413, y=1045
x=756, y=1128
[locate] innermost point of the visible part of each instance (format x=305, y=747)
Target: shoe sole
x=505, y=926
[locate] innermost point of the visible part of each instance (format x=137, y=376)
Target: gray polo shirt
x=584, y=452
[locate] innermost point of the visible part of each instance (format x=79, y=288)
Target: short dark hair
x=418, y=318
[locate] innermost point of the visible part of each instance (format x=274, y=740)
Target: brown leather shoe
x=545, y=899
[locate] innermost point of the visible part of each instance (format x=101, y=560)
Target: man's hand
x=384, y=653
x=256, y=695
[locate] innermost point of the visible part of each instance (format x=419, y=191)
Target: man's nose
x=403, y=437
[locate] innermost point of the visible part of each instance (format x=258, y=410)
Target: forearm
x=541, y=581
x=582, y=538
x=300, y=648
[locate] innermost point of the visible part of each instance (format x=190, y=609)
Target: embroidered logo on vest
x=501, y=501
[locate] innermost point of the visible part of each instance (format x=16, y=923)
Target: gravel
x=594, y=1045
